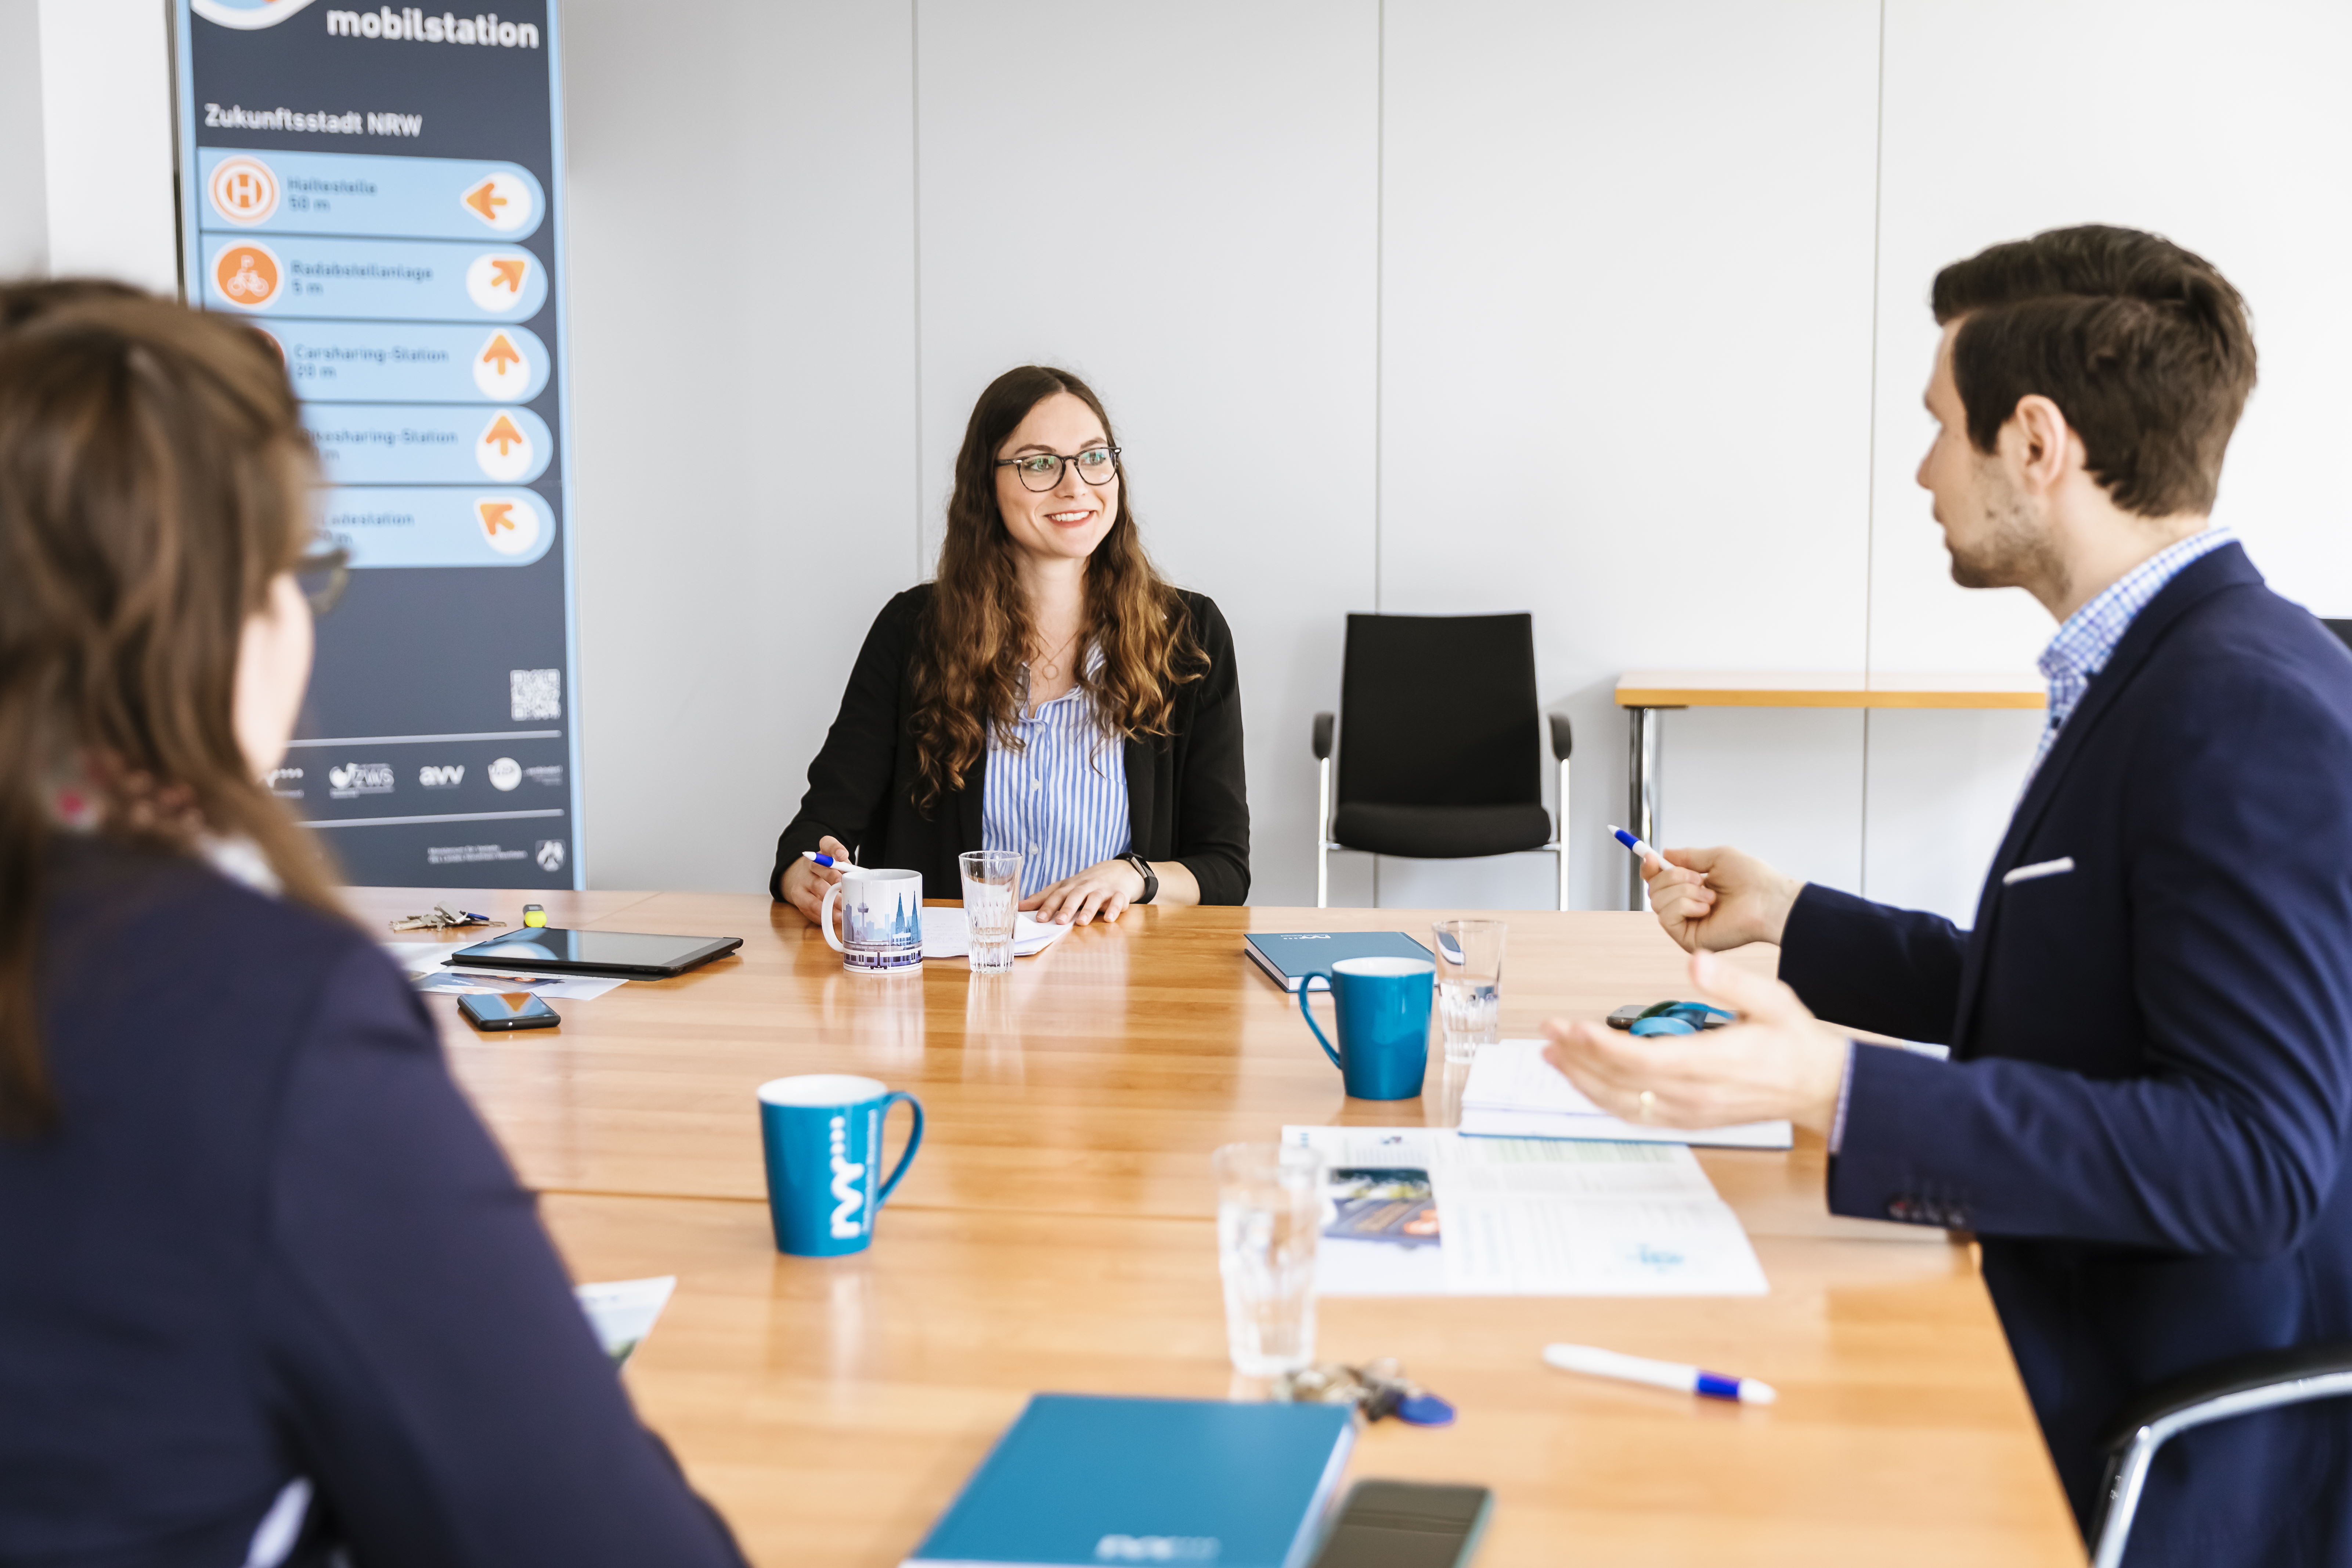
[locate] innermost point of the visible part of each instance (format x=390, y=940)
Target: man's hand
x=1718, y=899
x=1778, y=1062
x=804, y=880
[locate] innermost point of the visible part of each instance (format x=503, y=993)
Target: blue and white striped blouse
x=1059, y=798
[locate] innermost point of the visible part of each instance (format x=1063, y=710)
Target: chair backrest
x=1440, y=710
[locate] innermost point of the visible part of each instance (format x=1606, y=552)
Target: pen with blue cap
x=1594, y=1361
x=827, y=860
x=1641, y=851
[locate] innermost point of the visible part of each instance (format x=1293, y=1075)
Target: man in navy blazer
x=2145, y=1113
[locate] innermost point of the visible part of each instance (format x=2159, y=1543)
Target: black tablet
x=545, y=950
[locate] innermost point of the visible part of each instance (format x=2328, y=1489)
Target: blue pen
x=1640, y=850
x=823, y=859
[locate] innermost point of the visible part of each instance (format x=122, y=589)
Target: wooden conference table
x=1057, y=1232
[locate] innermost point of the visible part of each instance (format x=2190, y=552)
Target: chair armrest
x=1562, y=742
x=1323, y=722
x=2239, y=1374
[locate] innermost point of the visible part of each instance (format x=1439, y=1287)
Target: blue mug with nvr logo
x=822, y=1135
x=1383, y=1007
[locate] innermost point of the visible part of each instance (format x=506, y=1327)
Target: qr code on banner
x=537, y=693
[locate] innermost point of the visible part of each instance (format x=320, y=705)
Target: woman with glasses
x=268, y=1292
x=1048, y=693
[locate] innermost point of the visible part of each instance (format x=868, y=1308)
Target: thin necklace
x=1047, y=667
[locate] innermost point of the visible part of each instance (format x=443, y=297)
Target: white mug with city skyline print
x=881, y=919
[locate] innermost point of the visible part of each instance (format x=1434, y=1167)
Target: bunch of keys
x=1375, y=1389
x=443, y=917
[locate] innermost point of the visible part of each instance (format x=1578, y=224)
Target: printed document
x=1524, y=1217
x=946, y=934
x=1513, y=1092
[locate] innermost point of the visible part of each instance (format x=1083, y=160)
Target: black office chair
x=1439, y=751
x=2239, y=1386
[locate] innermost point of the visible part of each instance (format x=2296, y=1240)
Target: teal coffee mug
x=822, y=1133
x=1383, y=1007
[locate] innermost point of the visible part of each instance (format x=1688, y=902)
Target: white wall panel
x=742, y=317
x=107, y=175
x=24, y=201
x=2226, y=129
x=1627, y=277
x=1178, y=203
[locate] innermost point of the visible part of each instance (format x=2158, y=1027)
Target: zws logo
x=846, y=1174
x=442, y=778
x=358, y=778
x=1157, y=1548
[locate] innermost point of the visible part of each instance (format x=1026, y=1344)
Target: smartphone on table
x=507, y=1010
x=1406, y=1524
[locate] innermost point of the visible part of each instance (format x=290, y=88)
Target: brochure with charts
x=1524, y=1216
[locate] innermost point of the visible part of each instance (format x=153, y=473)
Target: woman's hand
x=1716, y=899
x=806, y=881
x=1105, y=889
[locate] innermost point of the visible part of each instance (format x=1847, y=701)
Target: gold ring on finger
x=1649, y=1106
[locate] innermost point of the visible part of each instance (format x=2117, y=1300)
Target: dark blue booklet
x=1289, y=955
x=1079, y=1479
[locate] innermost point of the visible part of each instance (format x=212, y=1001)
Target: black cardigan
x=1186, y=797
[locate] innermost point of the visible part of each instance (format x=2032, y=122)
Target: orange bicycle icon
x=247, y=276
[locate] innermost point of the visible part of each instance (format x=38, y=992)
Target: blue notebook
x=1085, y=1480
x=1288, y=954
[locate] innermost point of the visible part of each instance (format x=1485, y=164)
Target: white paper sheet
x=1541, y=1217
x=1512, y=1092
x=422, y=962
x=622, y=1311
x=946, y=934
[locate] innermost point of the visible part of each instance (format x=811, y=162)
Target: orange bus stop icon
x=247, y=276
x=244, y=190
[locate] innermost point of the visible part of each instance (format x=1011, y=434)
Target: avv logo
x=442, y=778
x=846, y=1173
x=549, y=855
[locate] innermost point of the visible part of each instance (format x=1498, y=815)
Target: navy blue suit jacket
x=266, y=1239
x=2146, y=1114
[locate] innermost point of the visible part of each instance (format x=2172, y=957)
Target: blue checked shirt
x=2075, y=656
x=1059, y=798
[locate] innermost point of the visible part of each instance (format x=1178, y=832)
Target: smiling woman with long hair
x=1048, y=693
x=267, y=1290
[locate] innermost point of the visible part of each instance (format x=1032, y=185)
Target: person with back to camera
x=268, y=1292
x=1048, y=693
x=2144, y=1114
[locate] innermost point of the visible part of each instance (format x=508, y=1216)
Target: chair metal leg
x=1559, y=834
x=1323, y=834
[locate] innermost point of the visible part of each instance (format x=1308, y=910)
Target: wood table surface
x=1057, y=1232
x=1840, y=688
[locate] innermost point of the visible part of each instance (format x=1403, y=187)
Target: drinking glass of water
x=992, y=905
x=1469, y=984
x=1269, y=1214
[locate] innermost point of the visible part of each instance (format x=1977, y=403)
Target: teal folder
x=1287, y=955
x=1083, y=1481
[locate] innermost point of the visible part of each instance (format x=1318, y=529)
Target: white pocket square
x=2058, y=867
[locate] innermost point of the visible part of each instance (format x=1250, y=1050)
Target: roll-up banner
x=380, y=192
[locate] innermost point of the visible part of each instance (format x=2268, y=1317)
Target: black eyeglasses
x=1043, y=471
x=323, y=575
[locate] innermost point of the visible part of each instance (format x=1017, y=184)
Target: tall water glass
x=992, y=906
x=1469, y=984
x=1269, y=1213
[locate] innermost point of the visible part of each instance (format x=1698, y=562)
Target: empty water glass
x=1469, y=984
x=992, y=906
x=1269, y=1214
